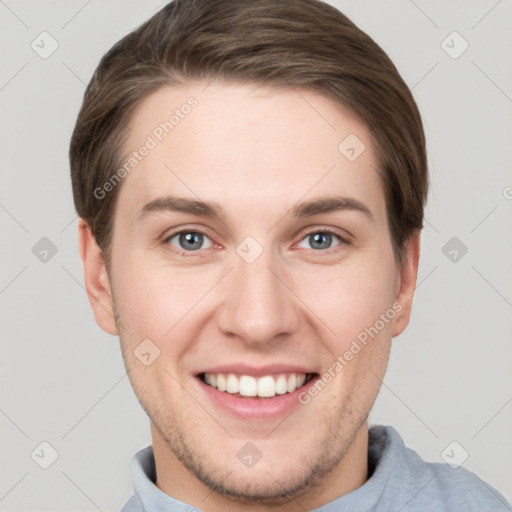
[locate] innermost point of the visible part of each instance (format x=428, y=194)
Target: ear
x=96, y=279
x=407, y=282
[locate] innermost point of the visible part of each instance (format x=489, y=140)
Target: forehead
x=247, y=147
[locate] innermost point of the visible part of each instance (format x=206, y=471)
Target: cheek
x=357, y=304
x=157, y=301
x=155, y=304
x=142, y=298
x=351, y=298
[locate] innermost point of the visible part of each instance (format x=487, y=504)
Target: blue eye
x=320, y=240
x=190, y=241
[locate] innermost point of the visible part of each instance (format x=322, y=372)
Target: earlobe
x=407, y=283
x=96, y=279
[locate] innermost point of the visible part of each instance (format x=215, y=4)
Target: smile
x=266, y=386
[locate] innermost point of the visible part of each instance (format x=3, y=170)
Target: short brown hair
x=303, y=44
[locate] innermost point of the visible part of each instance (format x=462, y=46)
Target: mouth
x=249, y=386
x=258, y=394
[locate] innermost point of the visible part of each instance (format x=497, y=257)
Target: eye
x=190, y=241
x=320, y=240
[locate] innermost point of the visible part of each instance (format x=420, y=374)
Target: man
x=250, y=178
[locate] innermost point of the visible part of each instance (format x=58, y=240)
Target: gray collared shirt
x=400, y=481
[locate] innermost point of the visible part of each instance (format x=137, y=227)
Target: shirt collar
x=148, y=495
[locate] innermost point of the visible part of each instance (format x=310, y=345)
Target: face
x=254, y=288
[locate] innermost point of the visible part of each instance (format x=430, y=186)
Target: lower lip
x=256, y=408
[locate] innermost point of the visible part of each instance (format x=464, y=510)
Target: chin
x=252, y=486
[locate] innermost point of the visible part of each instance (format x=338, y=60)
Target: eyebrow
x=329, y=204
x=180, y=204
x=214, y=210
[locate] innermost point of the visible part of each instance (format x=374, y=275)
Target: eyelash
x=326, y=252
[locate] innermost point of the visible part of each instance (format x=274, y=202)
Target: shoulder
x=419, y=485
x=453, y=488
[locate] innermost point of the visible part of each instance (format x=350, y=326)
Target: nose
x=259, y=307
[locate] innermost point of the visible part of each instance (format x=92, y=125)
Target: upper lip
x=257, y=371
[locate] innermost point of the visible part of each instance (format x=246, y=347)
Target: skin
x=258, y=152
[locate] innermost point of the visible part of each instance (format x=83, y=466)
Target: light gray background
x=62, y=378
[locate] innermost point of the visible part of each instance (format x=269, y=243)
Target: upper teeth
x=247, y=385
